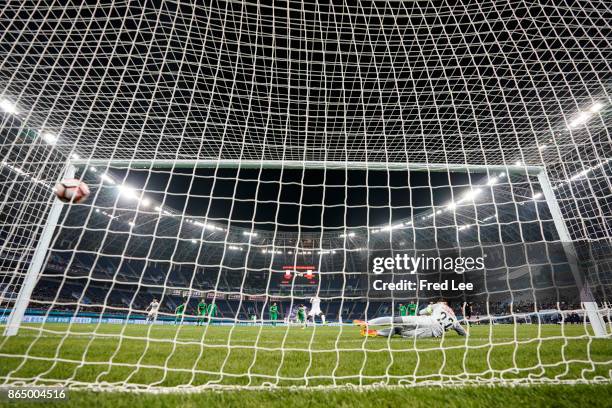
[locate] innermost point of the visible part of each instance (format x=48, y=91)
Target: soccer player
x=180, y=312
x=445, y=315
x=153, y=309
x=202, y=309
x=212, y=311
x=402, y=310
x=432, y=321
x=411, y=309
x=315, y=310
x=274, y=313
x=301, y=315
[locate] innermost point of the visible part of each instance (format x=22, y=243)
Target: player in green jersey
x=411, y=309
x=211, y=312
x=301, y=315
x=180, y=312
x=402, y=310
x=202, y=309
x=274, y=313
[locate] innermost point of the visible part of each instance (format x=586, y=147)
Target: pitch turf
x=169, y=356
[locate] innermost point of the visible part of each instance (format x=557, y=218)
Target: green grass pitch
x=255, y=356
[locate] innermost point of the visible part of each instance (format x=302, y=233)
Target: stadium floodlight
x=127, y=192
x=49, y=138
x=581, y=119
x=471, y=195
x=492, y=181
x=249, y=234
x=105, y=177
x=8, y=107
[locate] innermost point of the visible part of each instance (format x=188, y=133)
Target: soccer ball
x=71, y=190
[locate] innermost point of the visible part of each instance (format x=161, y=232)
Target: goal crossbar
x=308, y=164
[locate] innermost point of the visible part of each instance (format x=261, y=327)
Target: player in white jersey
x=315, y=310
x=445, y=315
x=153, y=309
x=432, y=321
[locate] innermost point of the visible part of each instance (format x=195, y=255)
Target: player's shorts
x=314, y=312
x=152, y=315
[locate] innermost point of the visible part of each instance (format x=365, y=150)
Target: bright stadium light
x=597, y=106
x=107, y=178
x=8, y=107
x=249, y=234
x=49, y=138
x=471, y=195
x=146, y=202
x=128, y=192
x=582, y=118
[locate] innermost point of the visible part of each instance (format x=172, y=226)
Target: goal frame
x=40, y=254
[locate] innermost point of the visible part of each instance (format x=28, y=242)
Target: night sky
x=311, y=198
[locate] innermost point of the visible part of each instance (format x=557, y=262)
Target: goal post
x=590, y=306
x=37, y=263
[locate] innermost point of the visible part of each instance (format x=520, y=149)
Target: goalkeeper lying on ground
x=432, y=321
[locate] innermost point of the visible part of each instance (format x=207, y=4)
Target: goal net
x=251, y=163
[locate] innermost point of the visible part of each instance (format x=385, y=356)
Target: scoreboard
x=299, y=275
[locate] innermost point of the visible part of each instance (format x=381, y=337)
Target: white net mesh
x=249, y=155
